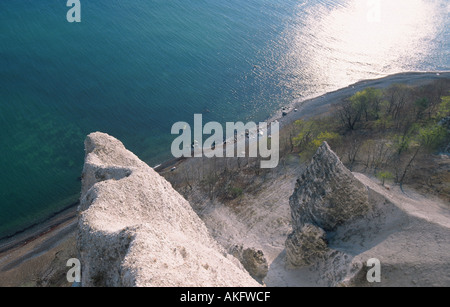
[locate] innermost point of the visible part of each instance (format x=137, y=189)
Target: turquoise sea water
x=133, y=68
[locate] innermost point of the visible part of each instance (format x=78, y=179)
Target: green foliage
x=444, y=107
x=422, y=104
x=359, y=100
x=432, y=137
x=235, y=192
x=306, y=131
x=311, y=134
x=401, y=143
x=368, y=102
x=383, y=123
x=383, y=176
x=324, y=137
x=392, y=127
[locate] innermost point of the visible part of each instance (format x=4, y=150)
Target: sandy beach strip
x=37, y=230
x=320, y=105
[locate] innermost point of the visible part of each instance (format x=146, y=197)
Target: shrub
x=235, y=192
x=325, y=136
x=383, y=176
x=444, y=107
x=432, y=137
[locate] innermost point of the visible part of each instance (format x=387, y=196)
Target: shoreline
x=305, y=108
x=310, y=107
x=314, y=106
x=37, y=230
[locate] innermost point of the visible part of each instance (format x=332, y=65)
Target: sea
x=133, y=68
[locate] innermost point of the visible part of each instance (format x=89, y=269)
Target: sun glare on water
x=385, y=32
x=361, y=39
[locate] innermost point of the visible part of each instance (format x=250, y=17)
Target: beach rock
x=253, y=261
x=306, y=247
x=327, y=195
x=134, y=229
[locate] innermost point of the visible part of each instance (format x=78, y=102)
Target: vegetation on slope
x=390, y=133
x=396, y=134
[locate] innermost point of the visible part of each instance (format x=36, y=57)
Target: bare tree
x=353, y=147
x=349, y=114
x=401, y=176
x=397, y=96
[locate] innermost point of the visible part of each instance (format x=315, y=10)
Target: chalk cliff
x=341, y=220
x=327, y=195
x=136, y=230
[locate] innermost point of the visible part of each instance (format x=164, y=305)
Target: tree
x=368, y=101
x=352, y=147
x=383, y=176
x=324, y=136
x=311, y=135
x=444, y=107
x=432, y=137
x=421, y=105
x=401, y=178
x=349, y=114
x=397, y=96
x=306, y=132
x=400, y=143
